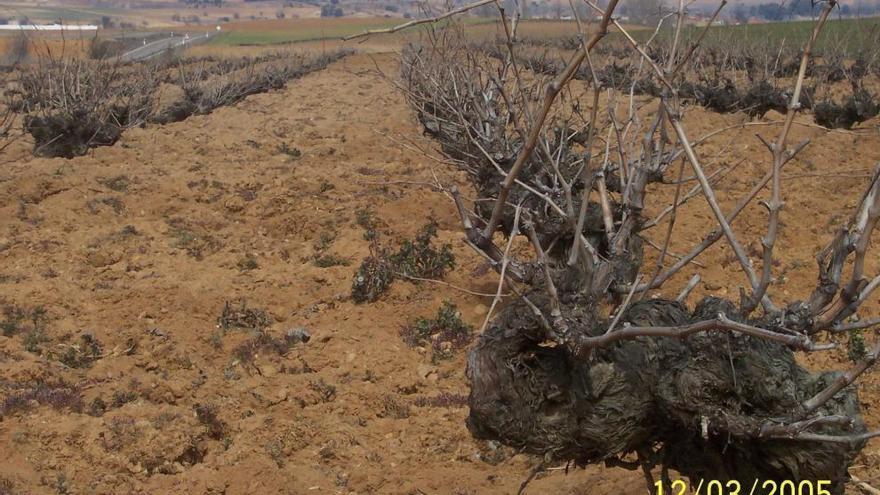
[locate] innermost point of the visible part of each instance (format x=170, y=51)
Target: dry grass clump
x=443, y=399
x=19, y=319
x=32, y=322
x=55, y=394
x=7, y=487
x=248, y=351
x=445, y=335
x=208, y=416
x=98, y=406
x=81, y=355
x=415, y=259
x=374, y=276
x=243, y=317
x=394, y=408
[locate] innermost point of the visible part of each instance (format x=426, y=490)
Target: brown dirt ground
x=101, y=242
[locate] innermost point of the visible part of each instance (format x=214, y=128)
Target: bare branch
x=503, y=276
x=552, y=91
x=692, y=283
x=842, y=381
x=622, y=308
x=709, y=193
x=778, y=149
x=799, y=342
x=543, y=261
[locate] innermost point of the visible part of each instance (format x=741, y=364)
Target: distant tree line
x=640, y=11
x=331, y=9
x=203, y=3
x=649, y=11
x=774, y=11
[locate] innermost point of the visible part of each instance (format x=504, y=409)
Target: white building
x=47, y=27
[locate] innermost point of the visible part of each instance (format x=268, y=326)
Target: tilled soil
x=141, y=245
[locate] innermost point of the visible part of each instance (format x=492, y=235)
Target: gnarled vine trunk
x=681, y=399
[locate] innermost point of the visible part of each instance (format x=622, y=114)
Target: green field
x=297, y=34
x=849, y=35
x=312, y=30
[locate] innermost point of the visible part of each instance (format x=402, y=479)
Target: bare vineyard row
x=750, y=80
x=69, y=104
x=588, y=361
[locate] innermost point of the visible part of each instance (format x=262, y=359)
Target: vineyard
x=463, y=256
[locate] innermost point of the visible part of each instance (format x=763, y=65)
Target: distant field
x=76, y=45
x=294, y=30
x=298, y=30
x=165, y=16
x=848, y=34
x=73, y=14
x=835, y=28
x=536, y=28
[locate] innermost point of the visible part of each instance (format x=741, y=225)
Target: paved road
x=156, y=47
